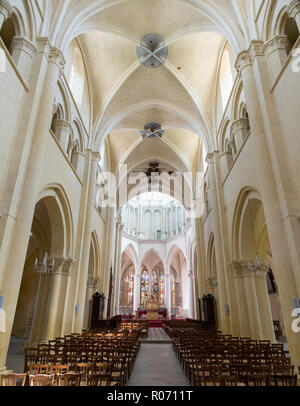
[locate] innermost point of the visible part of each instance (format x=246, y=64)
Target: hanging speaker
x=226, y=309
x=1, y=301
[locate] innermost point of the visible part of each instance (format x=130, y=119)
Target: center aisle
x=157, y=365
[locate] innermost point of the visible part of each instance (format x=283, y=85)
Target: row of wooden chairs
x=91, y=353
x=210, y=356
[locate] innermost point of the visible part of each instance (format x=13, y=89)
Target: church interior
x=149, y=193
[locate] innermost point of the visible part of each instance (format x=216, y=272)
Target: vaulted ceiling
x=180, y=94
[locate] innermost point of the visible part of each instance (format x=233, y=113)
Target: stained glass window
x=144, y=286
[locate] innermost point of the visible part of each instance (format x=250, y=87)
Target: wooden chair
x=41, y=380
x=85, y=369
x=98, y=380
x=58, y=370
x=285, y=380
x=69, y=379
x=13, y=380
x=39, y=369
x=258, y=380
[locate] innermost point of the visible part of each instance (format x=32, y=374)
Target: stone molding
x=23, y=44
x=239, y=125
x=276, y=43
x=5, y=9
x=53, y=54
x=294, y=8
x=247, y=57
x=63, y=126
x=92, y=282
x=244, y=269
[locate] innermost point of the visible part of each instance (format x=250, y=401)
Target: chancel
x=149, y=193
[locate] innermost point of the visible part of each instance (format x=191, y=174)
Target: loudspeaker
x=1, y=301
x=226, y=309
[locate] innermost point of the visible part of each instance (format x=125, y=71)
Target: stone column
x=137, y=288
x=258, y=304
x=39, y=312
x=5, y=11
x=20, y=230
x=168, y=294
x=239, y=132
x=91, y=288
x=275, y=50
x=266, y=319
x=244, y=321
x=294, y=11
x=63, y=132
x=252, y=301
x=274, y=183
x=191, y=294
x=51, y=329
x=118, y=258
x=83, y=263
x=224, y=320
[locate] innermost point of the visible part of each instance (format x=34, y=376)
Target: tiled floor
x=156, y=365
x=157, y=335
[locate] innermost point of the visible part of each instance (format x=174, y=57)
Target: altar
x=152, y=312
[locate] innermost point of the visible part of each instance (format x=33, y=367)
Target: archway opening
x=127, y=285
x=45, y=256
x=255, y=250
x=153, y=216
x=292, y=33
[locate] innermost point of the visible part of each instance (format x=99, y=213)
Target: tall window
x=144, y=287
x=226, y=80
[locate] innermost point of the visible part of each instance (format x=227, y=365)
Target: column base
x=5, y=371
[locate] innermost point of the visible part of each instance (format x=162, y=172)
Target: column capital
x=23, y=44
x=56, y=56
x=95, y=156
x=213, y=283
x=63, y=126
x=53, y=54
x=67, y=265
x=276, y=43
x=92, y=282
x=243, y=269
x=238, y=125
x=247, y=57
x=294, y=8
x=211, y=156
x=5, y=9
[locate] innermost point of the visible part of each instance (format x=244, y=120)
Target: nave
x=182, y=353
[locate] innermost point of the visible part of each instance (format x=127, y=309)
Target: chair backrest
x=38, y=369
x=41, y=380
x=59, y=369
x=285, y=380
x=258, y=380
x=103, y=367
x=99, y=380
x=69, y=379
x=85, y=369
x=13, y=380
